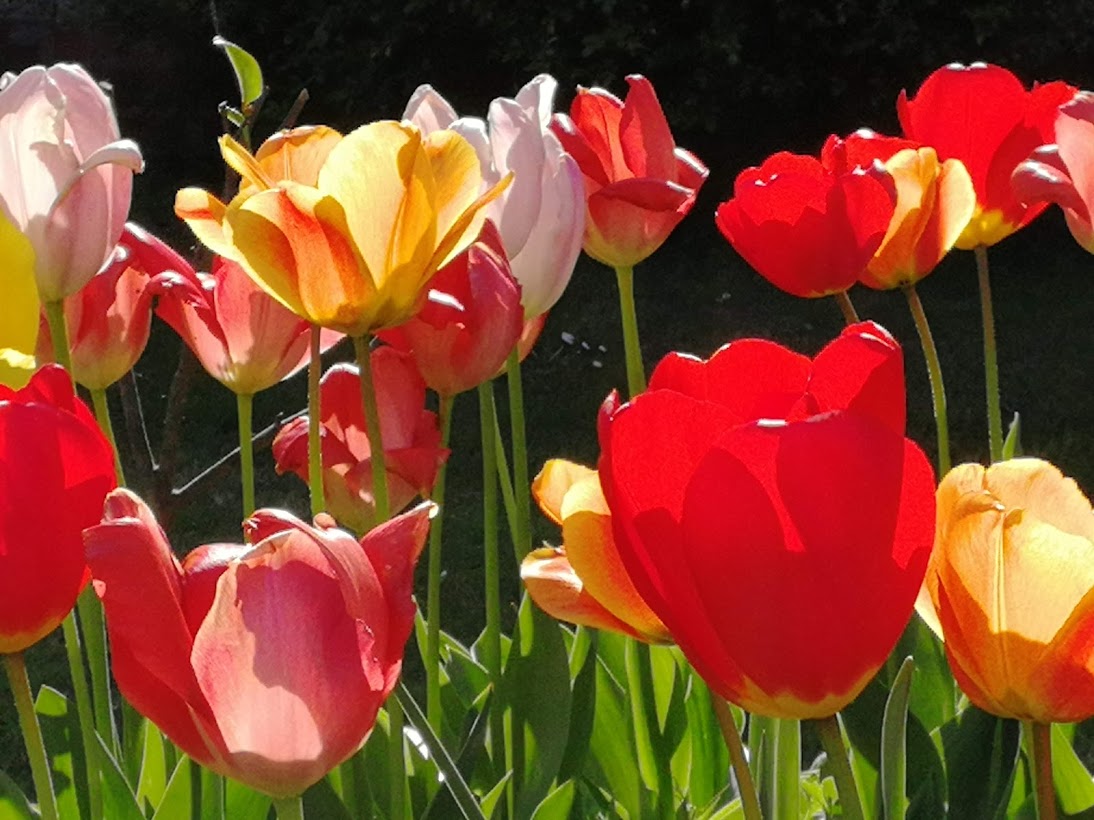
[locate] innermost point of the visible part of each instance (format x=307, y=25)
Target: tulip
x=1012, y=582
x=809, y=226
x=470, y=322
x=638, y=184
x=65, y=175
x=541, y=216
x=1060, y=172
x=266, y=662
x=982, y=115
x=584, y=581
x=412, y=453
x=56, y=468
x=771, y=513
x=19, y=308
x=346, y=232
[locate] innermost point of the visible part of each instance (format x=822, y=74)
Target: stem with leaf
x=738, y=760
x=991, y=361
x=1039, y=747
x=831, y=738
x=433, y=595
x=289, y=808
x=16, y=668
x=102, y=415
x=934, y=372
x=636, y=373
x=491, y=564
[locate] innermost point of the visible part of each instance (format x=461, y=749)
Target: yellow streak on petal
x=240, y=160
x=553, y=482
x=205, y=215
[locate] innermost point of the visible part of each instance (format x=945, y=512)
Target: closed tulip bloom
x=470, y=322
x=19, y=308
x=65, y=173
x=638, y=184
x=1012, y=582
x=541, y=215
x=771, y=513
x=1063, y=172
x=266, y=662
x=411, y=436
x=982, y=115
x=810, y=227
x=55, y=470
x=346, y=232
x=584, y=581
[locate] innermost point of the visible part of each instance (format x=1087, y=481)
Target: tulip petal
x=644, y=135
x=549, y=488
x=298, y=153
x=862, y=371
x=19, y=308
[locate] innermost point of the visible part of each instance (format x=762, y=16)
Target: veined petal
x=298, y=153
x=204, y=214
x=239, y=159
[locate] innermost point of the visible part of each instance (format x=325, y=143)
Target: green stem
x=788, y=750
x=433, y=599
x=55, y=317
x=847, y=308
x=102, y=415
x=831, y=738
x=491, y=565
x=289, y=808
x=762, y=743
x=934, y=372
x=16, y=668
x=315, y=451
x=93, y=628
x=522, y=487
x=85, y=714
x=372, y=425
x=1039, y=738
x=636, y=373
x=244, y=408
x=991, y=361
x=750, y=802
x=656, y=775
x=505, y=481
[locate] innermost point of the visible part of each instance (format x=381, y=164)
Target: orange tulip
x=1012, y=582
x=584, y=581
x=346, y=232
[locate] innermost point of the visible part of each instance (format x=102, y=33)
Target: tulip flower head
x=638, y=184
x=1012, y=582
x=346, y=232
x=56, y=468
x=267, y=661
x=541, y=216
x=1063, y=172
x=982, y=115
x=771, y=513
x=65, y=175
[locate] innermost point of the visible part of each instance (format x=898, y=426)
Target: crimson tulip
x=56, y=468
x=809, y=226
x=267, y=661
x=412, y=451
x=982, y=115
x=771, y=513
x=470, y=322
x=638, y=184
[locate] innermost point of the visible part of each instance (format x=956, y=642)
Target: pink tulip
x=241, y=335
x=541, y=216
x=266, y=662
x=470, y=322
x=65, y=175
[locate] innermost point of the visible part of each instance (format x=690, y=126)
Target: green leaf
x=933, y=692
x=244, y=803
x=492, y=799
x=14, y=805
x=583, y=706
x=248, y=72
x=708, y=766
x=981, y=755
x=610, y=747
x=175, y=802
x=61, y=733
x=320, y=800
x=1012, y=445
x=119, y=802
x=556, y=805
x=1074, y=784
x=893, y=744
x=152, y=780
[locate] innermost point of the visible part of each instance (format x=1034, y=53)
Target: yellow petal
x=204, y=213
x=956, y=201
x=240, y=160
x=553, y=482
x=297, y=154
x=467, y=226
x=19, y=308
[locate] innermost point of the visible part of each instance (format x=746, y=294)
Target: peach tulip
x=266, y=662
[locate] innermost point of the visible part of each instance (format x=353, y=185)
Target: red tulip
x=772, y=514
x=265, y=662
x=55, y=470
x=809, y=226
x=1064, y=171
x=412, y=451
x=471, y=320
x=243, y=338
x=638, y=184
x=982, y=115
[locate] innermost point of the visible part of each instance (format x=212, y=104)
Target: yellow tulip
x=19, y=309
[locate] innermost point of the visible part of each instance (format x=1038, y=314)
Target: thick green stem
x=1039, y=745
x=315, y=450
x=738, y=761
x=847, y=308
x=991, y=361
x=244, y=408
x=85, y=714
x=289, y=808
x=934, y=373
x=788, y=764
x=491, y=565
x=433, y=595
x=762, y=743
x=372, y=426
x=93, y=630
x=505, y=481
x=102, y=415
x=831, y=738
x=16, y=668
x=522, y=488
x=58, y=333
x=656, y=775
x=636, y=373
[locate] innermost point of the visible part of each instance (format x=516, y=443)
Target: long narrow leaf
x=894, y=765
